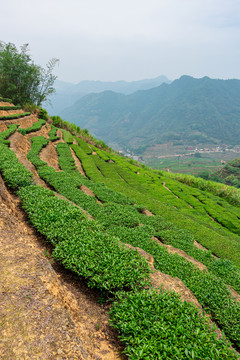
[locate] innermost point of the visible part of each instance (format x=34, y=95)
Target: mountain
x=67, y=94
x=188, y=110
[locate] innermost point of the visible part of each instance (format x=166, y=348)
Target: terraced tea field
x=162, y=249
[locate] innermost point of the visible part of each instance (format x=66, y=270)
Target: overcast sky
x=128, y=39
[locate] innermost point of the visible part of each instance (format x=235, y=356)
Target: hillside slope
x=187, y=110
x=67, y=94
x=230, y=173
x=125, y=231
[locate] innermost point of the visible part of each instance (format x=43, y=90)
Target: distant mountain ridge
x=188, y=110
x=67, y=93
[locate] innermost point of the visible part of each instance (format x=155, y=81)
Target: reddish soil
x=167, y=282
x=24, y=122
x=164, y=185
x=3, y=126
x=182, y=253
x=199, y=246
x=44, y=131
x=45, y=313
x=20, y=145
x=50, y=156
x=147, y=212
x=89, y=192
x=59, y=133
x=78, y=163
x=10, y=112
x=4, y=103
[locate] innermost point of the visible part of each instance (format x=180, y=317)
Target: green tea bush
x=6, y=108
x=91, y=249
x=43, y=114
x=81, y=246
x=14, y=116
x=67, y=136
x=5, y=100
x=6, y=133
x=53, y=133
x=35, y=126
x=65, y=159
x=230, y=193
x=157, y=325
x=14, y=173
x=84, y=146
x=37, y=143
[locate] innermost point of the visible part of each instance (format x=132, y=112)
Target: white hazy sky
x=127, y=39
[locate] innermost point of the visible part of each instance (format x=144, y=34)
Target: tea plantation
x=89, y=230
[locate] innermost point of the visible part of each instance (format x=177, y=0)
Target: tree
x=20, y=79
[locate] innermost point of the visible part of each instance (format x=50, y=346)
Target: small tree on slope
x=20, y=79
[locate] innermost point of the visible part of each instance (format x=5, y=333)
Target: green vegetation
x=5, y=134
x=95, y=250
x=124, y=222
x=22, y=80
x=188, y=112
x=67, y=136
x=184, y=164
x=157, y=325
x=53, y=133
x=145, y=186
x=5, y=99
x=230, y=193
x=65, y=159
x=229, y=174
x=18, y=107
x=38, y=142
x=14, y=173
x=14, y=116
x=81, y=245
x=35, y=127
x=75, y=130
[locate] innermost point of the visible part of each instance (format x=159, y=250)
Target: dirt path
x=50, y=156
x=20, y=145
x=4, y=103
x=78, y=163
x=168, y=282
x=147, y=213
x=34, y=324
x=173, y=250
x=10, y=112
x=199, y=246
x=44, y=131
x=60, y=134
x=89, y=192
x=164, y=185
x=45, y=313
x=23, y=122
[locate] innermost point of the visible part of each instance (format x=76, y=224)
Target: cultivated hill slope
x=191, y=110
x=126, y=230
x=230, y=173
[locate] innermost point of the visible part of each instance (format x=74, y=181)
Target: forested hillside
x=161, y=249
x=229, y=174
x=67, y=93
x=189, y=111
